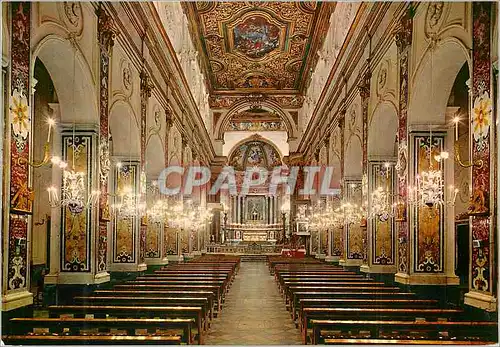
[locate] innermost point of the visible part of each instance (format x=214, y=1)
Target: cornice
x=327, y=109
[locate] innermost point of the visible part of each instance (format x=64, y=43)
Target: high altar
x=253, y=218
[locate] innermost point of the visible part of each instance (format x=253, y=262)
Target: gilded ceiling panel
x=257, y=46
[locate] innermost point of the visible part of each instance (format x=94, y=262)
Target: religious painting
x=76, y=220
x=124, y=227
x=254, y=153
x=153, y=232
x=383, y=225
x=256, y=36
x=249, y=45
x=255, y=209
x=429, y=220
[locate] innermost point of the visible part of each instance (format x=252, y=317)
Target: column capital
x=146, y=85
x=403, y=33
x=106, y=30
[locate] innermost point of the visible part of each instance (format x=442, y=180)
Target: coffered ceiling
x=253, y=46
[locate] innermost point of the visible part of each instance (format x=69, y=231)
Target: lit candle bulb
x=456, y=120
x=51, y=123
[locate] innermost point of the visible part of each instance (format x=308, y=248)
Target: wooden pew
x=149, y=301
x=217, y=290
x=90, y=340
x=341, y=313
x=402, y=342
x=362, y=296
x=103, y=311
x=25, y=326
x=379, y=329
x=355, y=302
x=355, y=288
x=209, y=295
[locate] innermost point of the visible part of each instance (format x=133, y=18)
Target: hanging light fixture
x=381, y=207
x=430, y=187
x=74, y=194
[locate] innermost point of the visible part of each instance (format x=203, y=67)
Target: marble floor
x=254, y=312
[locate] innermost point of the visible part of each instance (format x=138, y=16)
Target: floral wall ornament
x=20, y=117
x=481, y=119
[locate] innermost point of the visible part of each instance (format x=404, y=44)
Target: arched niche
x=155, y=157
x=71, y=78
x=124, y=131
x=254, y=151
x=382, y=131
x=434, y=81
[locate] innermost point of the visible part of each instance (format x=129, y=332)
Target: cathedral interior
x=249, y=173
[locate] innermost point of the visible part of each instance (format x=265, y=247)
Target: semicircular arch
x=223, y=123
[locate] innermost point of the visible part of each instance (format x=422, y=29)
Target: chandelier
x=380, y=202
x=430, y=187
x=73, y=193
x=130, y=204
x=346, y=214
x=380, y=207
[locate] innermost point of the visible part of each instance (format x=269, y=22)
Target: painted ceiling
x=253, y=46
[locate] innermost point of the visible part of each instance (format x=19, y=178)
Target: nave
x=219, y=300
x=254, y=313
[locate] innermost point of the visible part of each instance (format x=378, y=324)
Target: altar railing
x=244, y=249
x=253, y=232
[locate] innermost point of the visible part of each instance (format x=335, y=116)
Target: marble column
x=483, y=275
x=18, y=204
x=403, y=41
x=106, y=35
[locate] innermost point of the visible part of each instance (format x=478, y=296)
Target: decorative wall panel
x=76, y=223
x=21, y=194
x=354, y=232
x=267, y=46
x=428, y=221
x=383, y=228
x=124, y=228
x=482, y=129
x=170, y=243
x=153, y=240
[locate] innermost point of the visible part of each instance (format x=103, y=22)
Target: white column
x=55, y=213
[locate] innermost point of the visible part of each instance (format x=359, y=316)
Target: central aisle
x=254, y=312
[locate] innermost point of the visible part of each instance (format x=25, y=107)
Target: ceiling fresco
x=257, y=46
